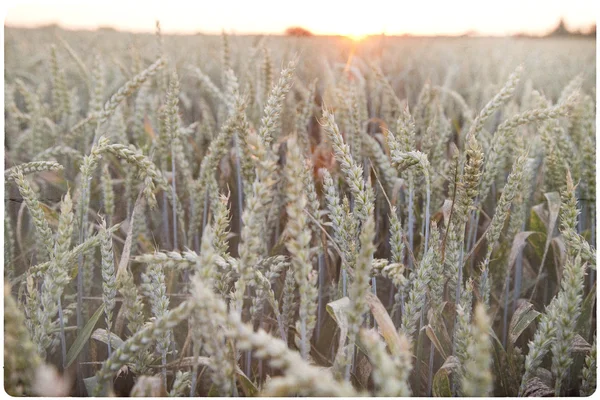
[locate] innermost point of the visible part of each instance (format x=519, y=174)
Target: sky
x=352, y=18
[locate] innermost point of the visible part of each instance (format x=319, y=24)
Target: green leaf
x=441, y=379
x=500, y=371
x=584, y=324
x=101, y=335
x=547, y=220
x=554, y=202
x=185, y=362
x=538, y=219
x=213, y=391
x=553, y=199
x=518, y=244
x=91, y=383
x=523, y=317
x=247, y=386
x=538, y=224
x=421, y=366
x=83, y=336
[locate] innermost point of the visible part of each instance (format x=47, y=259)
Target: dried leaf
x=338, y=311
x=364, y=368
x=386, y=327
x=124, y=261
x=446, y=209
x=579, y=345
x=437, y=332
x=545, y=375
x=536, y=388
x=436, y=342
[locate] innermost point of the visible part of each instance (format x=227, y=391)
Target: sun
x=356, y=37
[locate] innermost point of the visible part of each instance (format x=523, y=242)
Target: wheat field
x=298, y=216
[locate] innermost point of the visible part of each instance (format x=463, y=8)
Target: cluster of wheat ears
x=268, y=216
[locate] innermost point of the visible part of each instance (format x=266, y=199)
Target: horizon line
x=576, y=31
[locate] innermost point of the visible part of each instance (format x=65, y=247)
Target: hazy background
x=533, y=17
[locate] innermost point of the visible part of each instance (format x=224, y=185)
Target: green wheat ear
x=274, y=216
x=21, y=358
x=298, y=245
x=478, y=378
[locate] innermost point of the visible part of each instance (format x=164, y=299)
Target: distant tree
x=107, y=29
x=560, y=30
x=297, y=31
x=592, y=31
x=469, y=33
